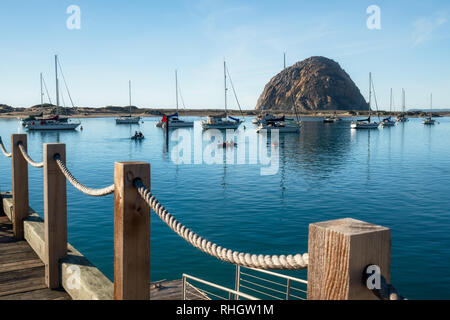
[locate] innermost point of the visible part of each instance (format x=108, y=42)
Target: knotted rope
x=290, y=262
x=6, y=154
x=30, y=161
x=386, y=290
x=73, y=181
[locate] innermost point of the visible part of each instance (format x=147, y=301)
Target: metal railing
x=270, y=287
x=189, y=291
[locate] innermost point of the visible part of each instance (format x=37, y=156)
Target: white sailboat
x=128, y=119
x=366, y=123
x=54, y=123
x=388, y=122
x=429, y=120
x=401, y=117
x=222, y=121
x=174, y=120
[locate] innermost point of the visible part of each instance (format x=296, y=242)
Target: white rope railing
x=74, y=182
x=290, y=262
x=30, y=161
x=5, y=153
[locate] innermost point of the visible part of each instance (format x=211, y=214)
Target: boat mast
x=42, y=97
x=370, y=92
x=431, y=105
x=225, y=81
x=284, y=59
x=129, y=93
x=176, y=86
x=57, y=84
x=390, y=104
x=403, y=100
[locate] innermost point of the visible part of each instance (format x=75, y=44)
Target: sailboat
x=128, y=119
x=401, y=117
x=429, y=120
x=56, y=122
x=174, y=121
x=222, y=121
x=332, y=119
x=366, y=123
x=283, y=124
x=31, y=118
x=388, y=122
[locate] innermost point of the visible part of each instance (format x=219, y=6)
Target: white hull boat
x=128, y=120
x=364, y=125
x=222, y=122
x=429, y=121
x=48, y=125
x=55, y=123
x=281, y=127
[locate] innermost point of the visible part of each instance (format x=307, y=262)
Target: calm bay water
x=397, y=177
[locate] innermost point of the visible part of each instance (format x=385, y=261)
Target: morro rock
x=314, y=84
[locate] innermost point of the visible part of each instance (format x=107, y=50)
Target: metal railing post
x=288, y=288
x=237, y=284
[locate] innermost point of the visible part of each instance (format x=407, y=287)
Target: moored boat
x=129, y=119
x=57, y=122
x=224, y=121
x=366, y=123
x=429, y=120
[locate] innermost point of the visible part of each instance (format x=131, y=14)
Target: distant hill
x=317, y=83
x=429, y=110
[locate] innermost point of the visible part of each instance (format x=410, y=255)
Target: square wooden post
x=131, y=233
x=339, y=251
x=55, y=213
x=19, y=184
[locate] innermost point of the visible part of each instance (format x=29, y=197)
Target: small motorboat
x=138, y=136
x=227, y=144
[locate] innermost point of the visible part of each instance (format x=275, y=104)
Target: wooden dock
x=22, y=273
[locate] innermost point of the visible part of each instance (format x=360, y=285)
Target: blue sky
x=146, y=40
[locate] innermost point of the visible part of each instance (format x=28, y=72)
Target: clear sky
x=146, y=40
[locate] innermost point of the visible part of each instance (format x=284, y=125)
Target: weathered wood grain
x=131, y=233
x=22, y=273
x=19, y=184
x=339, y=251
x=55, y=213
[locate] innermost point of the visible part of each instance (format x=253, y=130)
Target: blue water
x=397, y=177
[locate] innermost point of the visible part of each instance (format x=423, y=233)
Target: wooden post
x=19, y=184
x=55, y=213
x=339, y=251
x=131, y=233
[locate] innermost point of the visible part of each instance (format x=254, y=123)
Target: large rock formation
x=317, y=83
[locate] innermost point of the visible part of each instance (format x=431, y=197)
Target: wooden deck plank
x=39, y=294
x=22, y=273
x=20, y=265
x=14, y=247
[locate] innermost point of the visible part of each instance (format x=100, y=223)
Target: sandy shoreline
x=102, y=113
